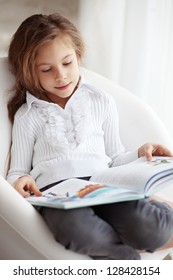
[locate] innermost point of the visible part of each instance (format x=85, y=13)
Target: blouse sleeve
x=21, y=151
x=113, y=145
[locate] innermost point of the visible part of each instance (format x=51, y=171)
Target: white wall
x=13, y=12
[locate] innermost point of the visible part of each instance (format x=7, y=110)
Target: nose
x=60, y=74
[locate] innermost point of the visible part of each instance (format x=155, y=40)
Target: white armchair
x=24, y=234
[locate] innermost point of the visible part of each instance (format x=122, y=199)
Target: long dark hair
x=35, y=31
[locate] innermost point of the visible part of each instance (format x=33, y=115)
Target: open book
x=136, y=180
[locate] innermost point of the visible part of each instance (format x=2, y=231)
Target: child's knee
x=150, y=227
x=147, y=237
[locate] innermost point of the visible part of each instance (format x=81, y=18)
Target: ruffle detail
x=65, y=129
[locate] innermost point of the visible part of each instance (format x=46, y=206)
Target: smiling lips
x=63, y=87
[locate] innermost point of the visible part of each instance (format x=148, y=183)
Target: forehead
x=61, y=44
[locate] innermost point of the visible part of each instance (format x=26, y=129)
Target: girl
x=64, y=127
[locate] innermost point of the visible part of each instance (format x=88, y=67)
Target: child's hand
x=26, y=185
x=150, y=150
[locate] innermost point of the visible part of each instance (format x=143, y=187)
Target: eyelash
x=64, y=64
x=44, y=71
x=67, y=63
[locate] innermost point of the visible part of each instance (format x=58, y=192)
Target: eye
x=45, y=70
x=67, y=63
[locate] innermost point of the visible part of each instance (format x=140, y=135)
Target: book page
x=123, y=183
x=137, y=174
x=74, y=193
x=80, y=188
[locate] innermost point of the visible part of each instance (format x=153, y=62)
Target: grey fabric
x=82, y=231
x=112, y=231
x=142, y=224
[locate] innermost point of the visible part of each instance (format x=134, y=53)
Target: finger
x=24, y=193
x=25, y=187
x=149, y=151
x=167, y=152
x=34, y=189
x=162, y=151
x=19, y=188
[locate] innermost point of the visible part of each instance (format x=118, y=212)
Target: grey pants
x=112, y=231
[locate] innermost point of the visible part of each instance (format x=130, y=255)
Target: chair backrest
x=138, y=122
x=6, y=82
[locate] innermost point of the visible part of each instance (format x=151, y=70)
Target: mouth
x=63, y=87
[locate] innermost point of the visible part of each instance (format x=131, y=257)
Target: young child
x=64, y=127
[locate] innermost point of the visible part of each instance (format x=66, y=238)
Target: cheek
x=75, y=71
x=44, y=80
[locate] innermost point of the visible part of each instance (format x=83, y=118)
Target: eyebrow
x=47, y=63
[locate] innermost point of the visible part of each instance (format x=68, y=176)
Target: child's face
x=57, y=68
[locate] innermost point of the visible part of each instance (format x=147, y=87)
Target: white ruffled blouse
x=66, y=128
x=51, y=143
